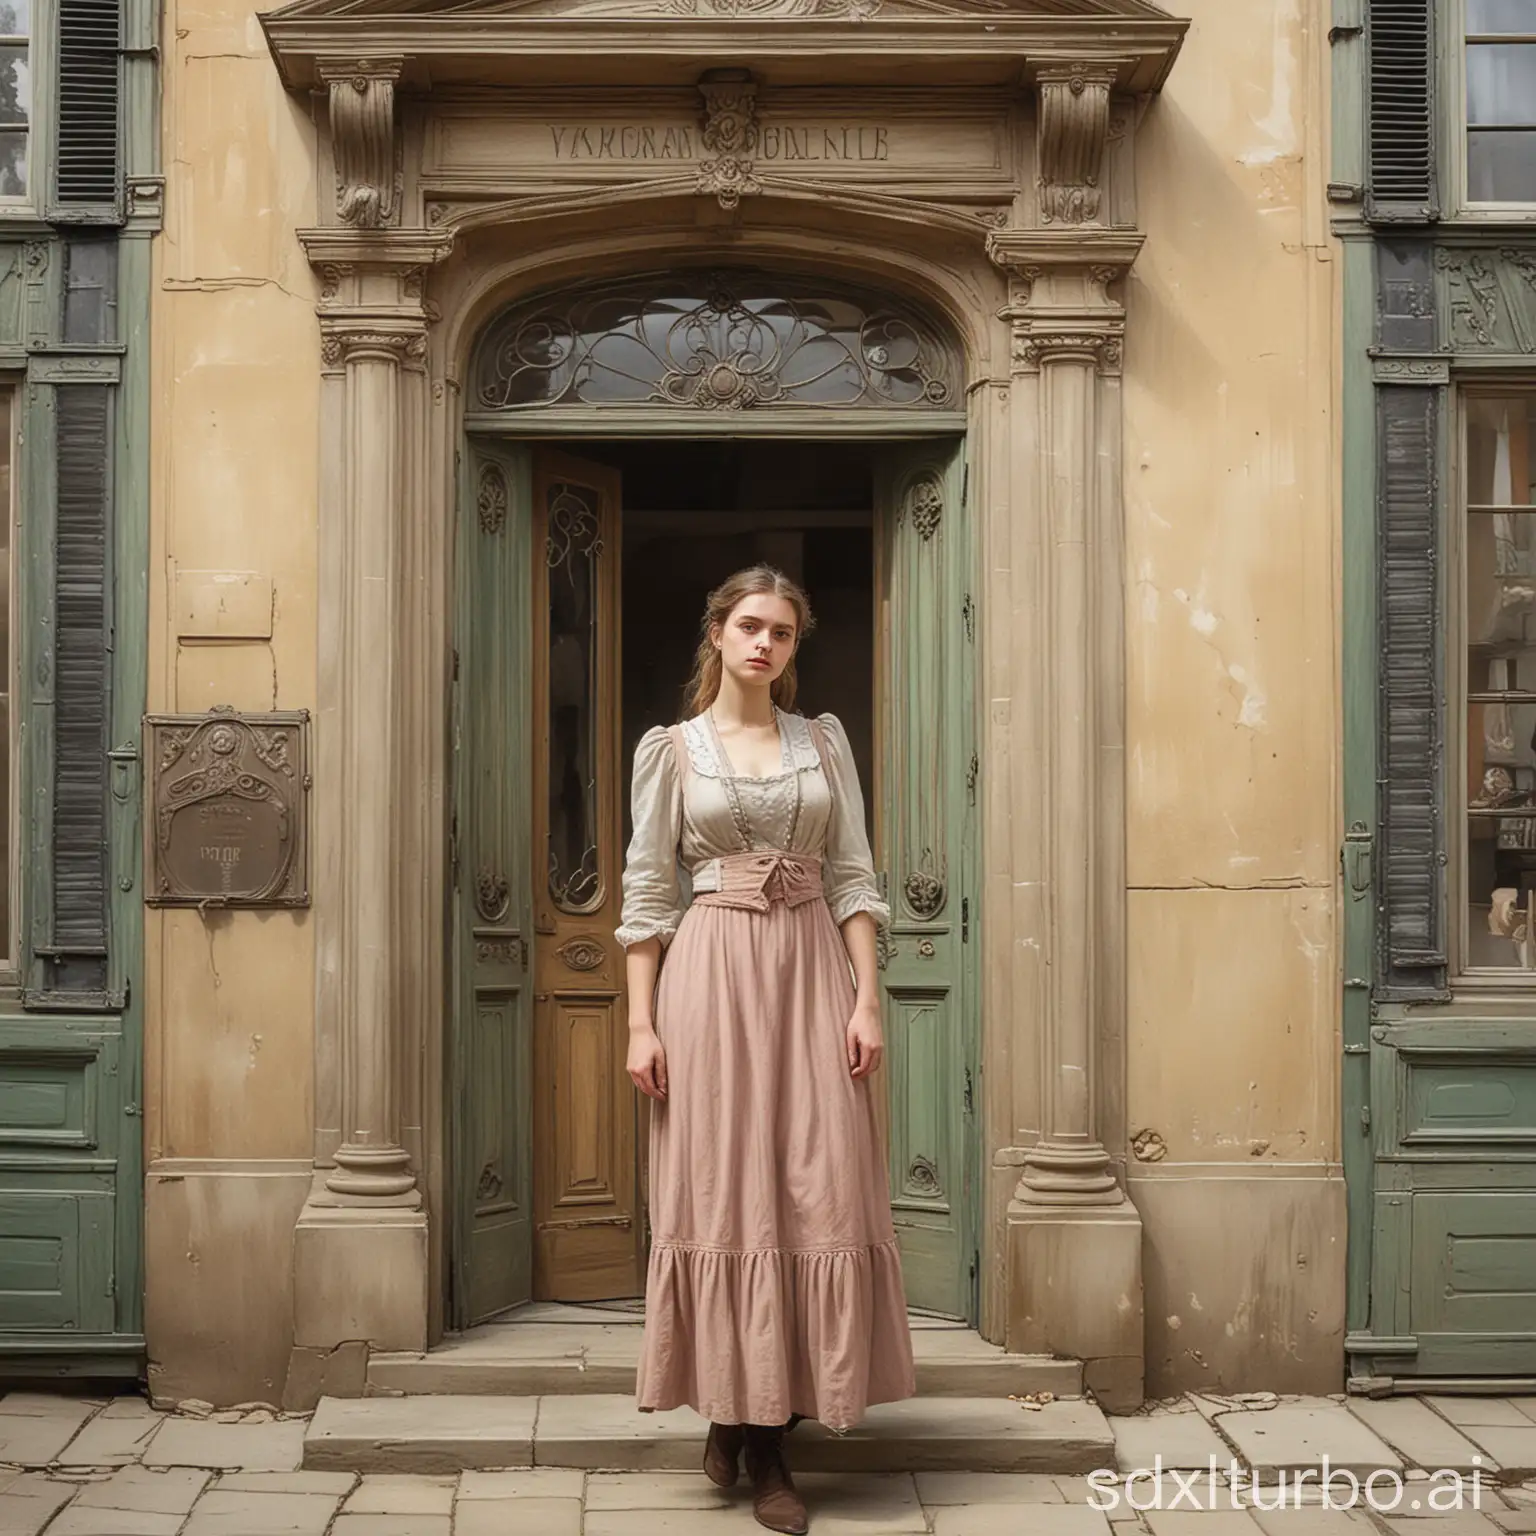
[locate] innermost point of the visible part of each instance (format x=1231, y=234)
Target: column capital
x=1042, y=341
x=373, y=337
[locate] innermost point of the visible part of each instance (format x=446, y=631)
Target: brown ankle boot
x=775, y=1502
x=722, y=1454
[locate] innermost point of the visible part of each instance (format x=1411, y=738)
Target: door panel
x=587, y=1235
x=492, y=1056
x=925, y=793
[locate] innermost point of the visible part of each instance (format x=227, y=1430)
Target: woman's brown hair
x=704, y=685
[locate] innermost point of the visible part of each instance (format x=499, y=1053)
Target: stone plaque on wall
x=228, y=817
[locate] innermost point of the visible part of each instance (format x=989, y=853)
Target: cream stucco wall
x=230, y=1000
x=1232, y=711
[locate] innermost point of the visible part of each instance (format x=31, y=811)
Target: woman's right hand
x=647, y=1064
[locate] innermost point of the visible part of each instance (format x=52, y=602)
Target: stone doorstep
x=445, y=1433
x=543, y=1359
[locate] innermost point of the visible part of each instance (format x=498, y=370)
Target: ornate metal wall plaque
x=228, y=822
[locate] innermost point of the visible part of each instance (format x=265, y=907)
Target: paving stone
x=250, y=1447
x=337, y=1483
x=403, y=1525
x=1468, y=1523
x=655, y=1490
x=1180, y=1441
x=1292, y=1437
x=30, y=1503
x=424, y=1434
x=526, y=1483
x=78, y=1520
x=1205, y=1522
x=1514, y=1450
x=222, y=1512
x=846, y=1504
x=988, y=1488
x=1418, y=1434
x=130, y=1408
x=520, y=1517
x=1020, y=1520
x=730, y=1520
x=381, y=1495
x=1518, y=1522
x=1313, y=1521
x=172, y=1491
x=1479, y=1410
x=110, y=1442
x=33, y=1432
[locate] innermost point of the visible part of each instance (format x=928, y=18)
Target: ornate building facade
x=486, y=335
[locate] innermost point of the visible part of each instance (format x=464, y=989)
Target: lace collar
x=798, y=750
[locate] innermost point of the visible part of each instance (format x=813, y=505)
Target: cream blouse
x=679, y=839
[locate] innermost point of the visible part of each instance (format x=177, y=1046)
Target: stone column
x=371, y=1163
x=361, y=1259
x=1074, y=1240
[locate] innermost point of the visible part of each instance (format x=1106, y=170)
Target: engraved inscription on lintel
x=846, y=143
x=229, y=809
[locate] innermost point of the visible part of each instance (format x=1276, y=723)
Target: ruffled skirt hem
x=751, y=1337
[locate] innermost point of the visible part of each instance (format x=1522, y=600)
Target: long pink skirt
x=775, y=1281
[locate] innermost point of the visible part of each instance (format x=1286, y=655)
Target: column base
x=1075, y=1290
x=360, y=1280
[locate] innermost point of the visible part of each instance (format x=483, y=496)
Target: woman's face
x=757, y=639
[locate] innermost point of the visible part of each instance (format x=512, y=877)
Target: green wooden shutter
x=71, y=679
x=87, y=158
x=1401, y=182
x=1411, y=893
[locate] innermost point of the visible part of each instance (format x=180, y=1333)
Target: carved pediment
x=1124, y=10
x=448, y=43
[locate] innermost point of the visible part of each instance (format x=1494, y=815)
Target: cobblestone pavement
x=1442, y=1466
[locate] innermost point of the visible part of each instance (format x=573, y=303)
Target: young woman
x=774, y=1290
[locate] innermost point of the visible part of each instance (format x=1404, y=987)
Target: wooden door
x=927, y=788
x=489, y=1118
x=587, y=1235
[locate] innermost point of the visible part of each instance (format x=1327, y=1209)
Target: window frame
x=1462, y=977
x=1453, y=92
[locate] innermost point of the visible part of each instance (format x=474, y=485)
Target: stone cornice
x=393, y=249
x=513, y=49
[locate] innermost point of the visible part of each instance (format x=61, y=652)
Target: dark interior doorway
x=696, y=511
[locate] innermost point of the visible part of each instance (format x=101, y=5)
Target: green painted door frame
x=932, y=978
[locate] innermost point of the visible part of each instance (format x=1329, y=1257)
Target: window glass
x=1501, y=101
x=15, y=95
x=1499, y=604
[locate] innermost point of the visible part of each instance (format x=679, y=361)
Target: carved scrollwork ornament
x=493, y=896
x=925, y=894
x=729, y=136
x=491, y=499
x=1074, y=128
x=363, y=138
x=583, y=953
x=923, y=506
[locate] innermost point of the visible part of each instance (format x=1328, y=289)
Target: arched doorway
x=627, y=444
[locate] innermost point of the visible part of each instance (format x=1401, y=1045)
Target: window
x=15, y=96
x=1499, y=626
x=1501, y=101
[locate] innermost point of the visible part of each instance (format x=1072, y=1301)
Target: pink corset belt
x=754, y=880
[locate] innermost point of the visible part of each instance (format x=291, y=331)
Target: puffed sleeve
x=848, y=869
x=653, y=896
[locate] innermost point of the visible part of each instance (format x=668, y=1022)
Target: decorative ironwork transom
x=715, y=341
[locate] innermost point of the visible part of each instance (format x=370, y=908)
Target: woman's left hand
x=866, y=1042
